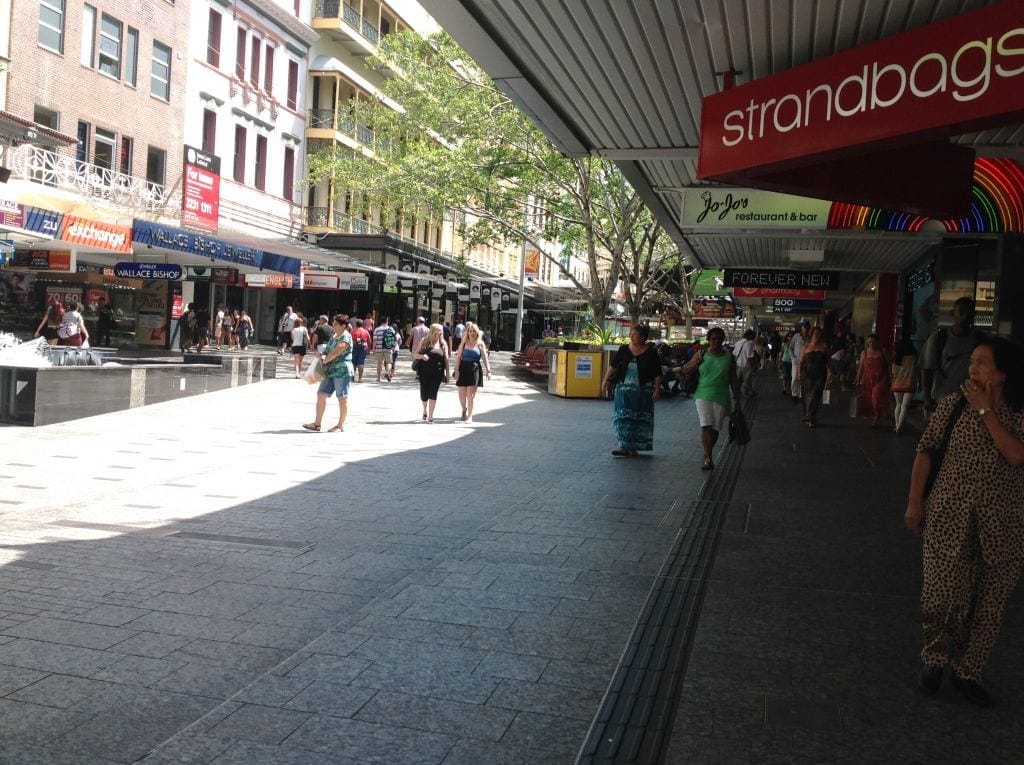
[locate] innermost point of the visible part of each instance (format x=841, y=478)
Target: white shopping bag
x=826, y=396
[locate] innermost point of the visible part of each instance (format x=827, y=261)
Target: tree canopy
x=447, y=139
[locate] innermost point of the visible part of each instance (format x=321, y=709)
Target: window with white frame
x=51, y=24
x=131, y=56
x=110, y=46
x=160, y=79
x=104, y=150
x=88, y=36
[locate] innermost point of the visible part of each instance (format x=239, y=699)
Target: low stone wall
x=43, y=396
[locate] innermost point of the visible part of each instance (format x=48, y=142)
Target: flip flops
x=311, y=426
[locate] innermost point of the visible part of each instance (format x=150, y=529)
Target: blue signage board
x=180, y=240
x=795, y=305
x=45, y=222
x=168, y=271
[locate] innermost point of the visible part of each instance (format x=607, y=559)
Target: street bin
x=575, y=374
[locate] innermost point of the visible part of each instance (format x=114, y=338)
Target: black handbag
x=739, y=432
x=939, y=452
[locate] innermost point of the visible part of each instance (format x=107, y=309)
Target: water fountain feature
x=42, y=384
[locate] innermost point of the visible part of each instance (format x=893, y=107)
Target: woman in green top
x=718, y=377
x=337, y=360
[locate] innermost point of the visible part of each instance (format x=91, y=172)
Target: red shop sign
x=954, y=76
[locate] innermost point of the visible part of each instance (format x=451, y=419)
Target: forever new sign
x=950, y=77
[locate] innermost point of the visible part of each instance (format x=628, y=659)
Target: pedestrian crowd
x=966, y=489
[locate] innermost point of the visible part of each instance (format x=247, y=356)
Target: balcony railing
x=58, y=171
x=334, y=9
x=341, y=122
x=343, y=223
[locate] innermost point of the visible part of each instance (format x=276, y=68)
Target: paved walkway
x=203, y=581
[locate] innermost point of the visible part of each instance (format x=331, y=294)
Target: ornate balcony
x=30, y=163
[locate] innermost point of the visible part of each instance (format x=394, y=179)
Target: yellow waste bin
x=575, y=374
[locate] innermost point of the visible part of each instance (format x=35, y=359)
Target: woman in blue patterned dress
x=636, y=369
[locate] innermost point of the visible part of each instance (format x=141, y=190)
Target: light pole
x=522, y=281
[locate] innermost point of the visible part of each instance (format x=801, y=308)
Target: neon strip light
x=997, y=206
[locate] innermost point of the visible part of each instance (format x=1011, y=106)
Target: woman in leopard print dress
x=974, y=518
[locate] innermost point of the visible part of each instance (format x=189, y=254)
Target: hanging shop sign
x=200, y=191
x=277, y=281
x=748, y=277
x=42, y=260
x=315, y=281
x=797, y=306
x=406, y=266
x=12, y=214
x=716, y=207
x=26, y=219
x=769, y=292
x=716, y=309
x=179, y=240
x=474, y=291
x=227, y=276
x=354, y=281
x=197, y=273
x=871, y=112
x=96, y=235
x=158, y=271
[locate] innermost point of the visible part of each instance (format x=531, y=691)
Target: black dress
x=431, y=374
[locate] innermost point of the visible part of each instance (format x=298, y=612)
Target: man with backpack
x=946, y=355
x=384, y=342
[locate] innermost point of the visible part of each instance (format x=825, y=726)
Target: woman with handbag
x=813, y=375
x=636, y=369
x=718, y=376
x=432, y=368
x=973, y=517
x=873, y=382
x=337, y=361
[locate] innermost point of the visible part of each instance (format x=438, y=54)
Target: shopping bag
x=853, y=406
x=826, y=396
x=315, y=373
x=738, y=430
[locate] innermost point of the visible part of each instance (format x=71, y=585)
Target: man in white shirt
x=743, y=352
x=796, y=347
x=284, y=329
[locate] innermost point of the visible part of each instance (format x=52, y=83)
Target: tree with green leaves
x=458, y=145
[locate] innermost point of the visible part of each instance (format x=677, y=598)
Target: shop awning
x=16, y=130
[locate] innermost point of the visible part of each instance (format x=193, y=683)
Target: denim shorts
x=337, y=385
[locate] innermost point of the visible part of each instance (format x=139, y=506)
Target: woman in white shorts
x=717, y=377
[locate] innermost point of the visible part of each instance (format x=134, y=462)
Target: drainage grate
x=254, y=541
x=636, y=716
x=634, y=723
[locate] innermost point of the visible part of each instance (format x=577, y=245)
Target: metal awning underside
x=625, y=79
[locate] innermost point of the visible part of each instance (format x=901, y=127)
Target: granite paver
x=447, y=593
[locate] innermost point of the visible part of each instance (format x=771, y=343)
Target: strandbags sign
x=957, y=75
x=179, y=240
x=167, y=271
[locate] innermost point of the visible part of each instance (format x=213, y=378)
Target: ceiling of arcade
x=625, y=79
